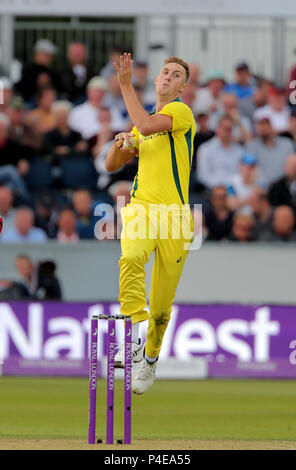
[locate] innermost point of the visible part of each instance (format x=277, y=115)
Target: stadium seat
x=39, y=175
x=78, y=172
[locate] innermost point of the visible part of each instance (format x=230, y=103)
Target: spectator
x=19, y=132
x=219, y=157
x=85, y=117
x=84, y=208
x=46, y=214
x=113, y=97
x=114, y=56
x=260, y=97
x=24, y=230
x=203, y=134
x=276, y=110
x=7, y=94
x=262, y=212
x=271, y=151
x=208, y=98
x=42, y=120
x=7, y=210
x=39, y=281
x=67, y=222
x=188, y=95
x=242, y=129
x=39, y=73
x=194, y=75
x=13, y=161
x=62, y=140
x=218, y=220
x=283, y=191
x=106, y=179
x=243, y=87
x=242, y=228
x=105, y=134
x=28, y=275
x=76, y=74
x=283, y=226
x=243, y=183
x=291, y=133
x=141, y=82
x=121, y=193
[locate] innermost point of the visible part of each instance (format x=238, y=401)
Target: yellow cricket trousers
x=141, y=235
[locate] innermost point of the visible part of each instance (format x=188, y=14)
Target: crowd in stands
x=56, y=128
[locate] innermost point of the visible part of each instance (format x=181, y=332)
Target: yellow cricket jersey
x=165, y=159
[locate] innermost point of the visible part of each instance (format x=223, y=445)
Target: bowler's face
x=171, y=80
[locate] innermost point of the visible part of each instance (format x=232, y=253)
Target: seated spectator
x=46, y=214
x=141, y=82
x=76, y=74
x=203, y=134
x=188, y=95
x=62, y=140
x=19, y=132
x=113, y=97
x=7, y=211
x=242, y=228
x=84, y=118
x=262, y=211
x=121, y=193
x=6, y=94
x=24, y=230
x=106, y=179
x=244, y=86
x=291, y=132
x=67, y=222
x=242, y=129
x=283, y=227
x=39, y=281
x=277, y=110
x=271, y=151
x=105, y=133
x=42, y=120
x=243, y=183
x=39, y=72
x=13, y=161
x=283, y=191
x=114, y=56
x=208, y=98
x=260, y=97
x=219, y=158
x=218, y=219
x=84, y=206
x=194, y=75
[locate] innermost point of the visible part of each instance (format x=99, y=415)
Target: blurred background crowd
x=56, y=127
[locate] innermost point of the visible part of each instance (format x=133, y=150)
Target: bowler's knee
x=161, y=318
x=132, y=258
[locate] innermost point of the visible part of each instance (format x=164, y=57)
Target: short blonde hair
x=61, y=105
x=184, y=64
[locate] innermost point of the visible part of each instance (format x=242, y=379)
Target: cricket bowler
x=163, y=141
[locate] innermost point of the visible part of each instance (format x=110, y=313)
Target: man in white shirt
x=276, y=110
x=85, y=117
x=218, y=159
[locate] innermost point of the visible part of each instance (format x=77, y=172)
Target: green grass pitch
x=213, y=409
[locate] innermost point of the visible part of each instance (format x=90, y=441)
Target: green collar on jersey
x=177, y=99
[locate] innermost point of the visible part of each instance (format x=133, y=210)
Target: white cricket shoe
x=137, y=354
x=143, y=377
